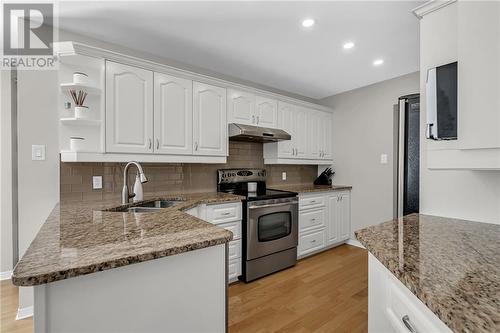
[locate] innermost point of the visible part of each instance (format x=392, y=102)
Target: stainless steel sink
x=148, y=206
x=159, y=204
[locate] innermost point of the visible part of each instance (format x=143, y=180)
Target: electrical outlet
x=283, y=175
x=96, y=182
x=383, y=159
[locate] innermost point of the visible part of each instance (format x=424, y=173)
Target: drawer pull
x=406, y=320
x=226, y=214
x=313, y=201
x=313, y=241
x=312, y=220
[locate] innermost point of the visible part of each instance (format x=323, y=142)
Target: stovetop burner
x=236, y=181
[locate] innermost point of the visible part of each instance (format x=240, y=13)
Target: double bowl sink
x=148, y=206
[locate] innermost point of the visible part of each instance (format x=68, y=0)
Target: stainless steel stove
x=270, y=222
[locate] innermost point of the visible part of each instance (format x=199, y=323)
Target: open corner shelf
x=80, y=122
x=66, y=87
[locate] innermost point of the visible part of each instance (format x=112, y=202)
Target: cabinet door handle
x=406, y=320
x=196, y=145
x=157, y=144
x=253, y=119
x=258, y=119
x=150, y=143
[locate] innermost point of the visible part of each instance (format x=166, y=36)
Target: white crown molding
x=430, y=7
x=5, y=275
x=69, y=48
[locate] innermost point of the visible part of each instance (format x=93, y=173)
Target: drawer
x=234, y=227
x=234, y=270
x=234, y=249
x=311, y=201
x=312, y=242
x=312, y=218
x=401, y=303
x=223, y=213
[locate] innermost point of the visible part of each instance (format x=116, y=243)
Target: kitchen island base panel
x=394, y=308
x=181, y=293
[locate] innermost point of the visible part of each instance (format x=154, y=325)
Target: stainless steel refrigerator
x=408, y=165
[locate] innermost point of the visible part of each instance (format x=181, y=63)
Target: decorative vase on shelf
x=81, y=112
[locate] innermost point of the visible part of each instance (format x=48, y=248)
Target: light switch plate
x=96, y=182
x=38, y=152
x=283, y=175
x=383, y=159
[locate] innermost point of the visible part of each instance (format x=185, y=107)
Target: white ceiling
x=264, y=42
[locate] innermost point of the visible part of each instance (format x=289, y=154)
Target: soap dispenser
x=139, y=195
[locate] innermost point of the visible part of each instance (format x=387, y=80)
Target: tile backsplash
x=76, y=178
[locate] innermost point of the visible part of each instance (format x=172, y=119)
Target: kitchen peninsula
x=80, y=264
x=433, y=274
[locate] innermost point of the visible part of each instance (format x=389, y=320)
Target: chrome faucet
x=126, y=195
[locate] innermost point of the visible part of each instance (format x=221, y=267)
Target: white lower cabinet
x=393, y=308
x=324, y=221
x=227, y=216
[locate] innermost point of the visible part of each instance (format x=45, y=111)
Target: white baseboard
x=23, y=313
x=354, y=242
x=5, y=275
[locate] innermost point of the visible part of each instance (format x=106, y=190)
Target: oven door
x=272, y=226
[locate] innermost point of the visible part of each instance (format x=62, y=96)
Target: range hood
x=240, y=132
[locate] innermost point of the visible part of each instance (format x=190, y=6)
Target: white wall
x=5, y=175
x=473, y=195
x=38, y=180
x=363, y=129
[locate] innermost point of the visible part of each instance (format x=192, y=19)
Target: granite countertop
x=80, y=238
x=305, y=188
x=453, y=266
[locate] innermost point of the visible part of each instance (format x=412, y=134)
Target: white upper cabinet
x=129, y=109
x=209, y=120
x=315, y=134
x=266, y=112
x=301, y=139
x=286, y=122
x=173, y=115
x=250, y=109
x=325, y=136
x=241, y=107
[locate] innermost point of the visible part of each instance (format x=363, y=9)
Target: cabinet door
x=173, y=115
x=333, y=225
x=286, y=118
x=301, y=141
x=315, y=135
x=209, y=120
x=345, y=216
x=266, y=112
x=129, y=109
x=241, y=107
x=327, y=137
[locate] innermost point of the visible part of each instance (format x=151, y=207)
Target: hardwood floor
x=8, y=310
x=327, y=292
x=324, y=293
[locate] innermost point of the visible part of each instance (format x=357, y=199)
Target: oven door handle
x=274, y=205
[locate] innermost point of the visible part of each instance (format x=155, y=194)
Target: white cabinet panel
x=301, y=140
x=311, y=242
x=234, y=250
x=129, y=109
x=345, y=216
x=241, y=107
x=315, y=134
x=326, y=143
x=286, y=117
x=209, y=120
x=173, y=115
x=266, y=112
x=312, y=218
x=333, y=225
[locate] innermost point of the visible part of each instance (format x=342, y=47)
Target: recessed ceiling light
x=307, y=23
x=378, y=62
x=348, y=45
